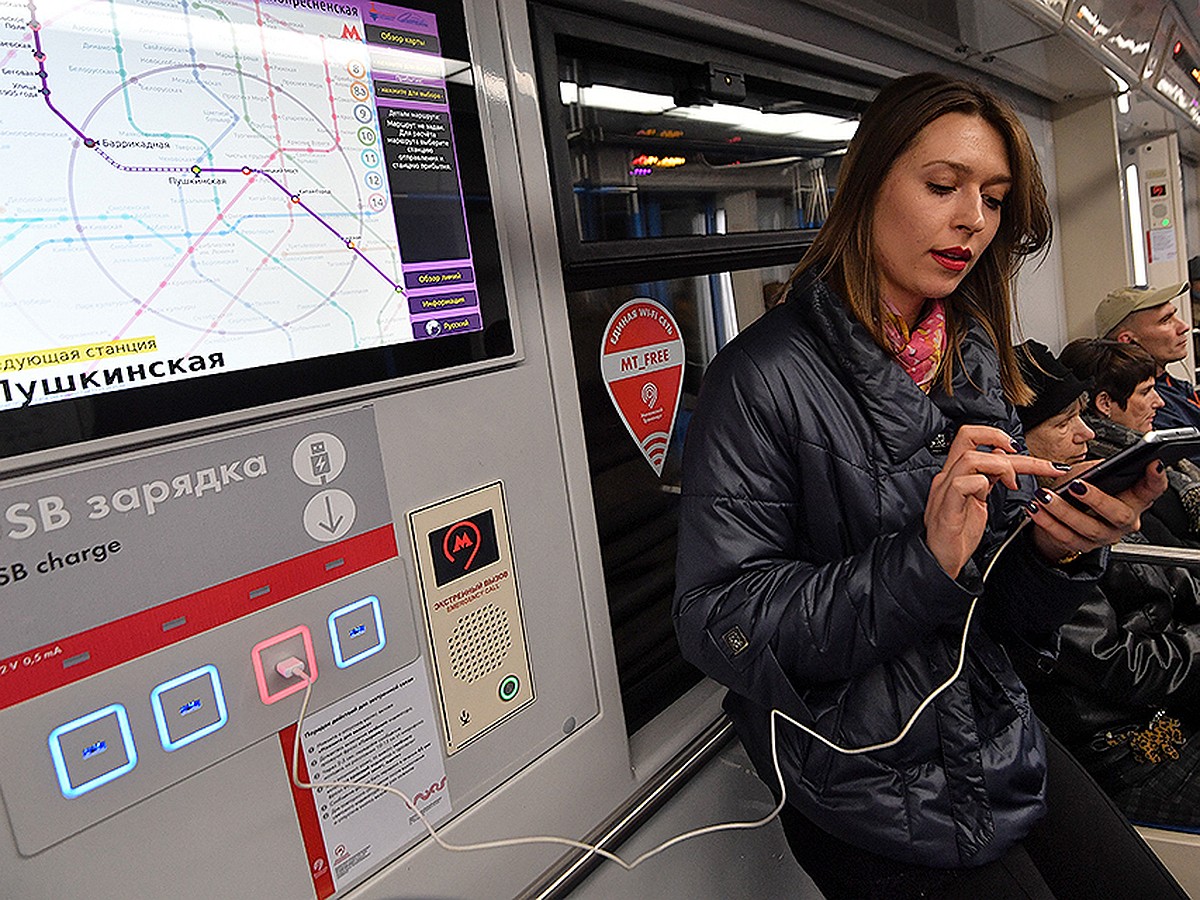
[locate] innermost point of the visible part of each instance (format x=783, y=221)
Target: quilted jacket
x=1131, y=649
x=804, y=583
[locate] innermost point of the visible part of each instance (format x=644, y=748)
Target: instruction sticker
x=384, y=734
x=642, y=361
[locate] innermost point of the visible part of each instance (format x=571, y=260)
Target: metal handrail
x=571, y=869
x=1156, y=554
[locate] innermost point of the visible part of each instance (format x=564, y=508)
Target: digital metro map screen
x=210, y=205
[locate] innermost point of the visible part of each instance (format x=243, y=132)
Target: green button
x=510, y=686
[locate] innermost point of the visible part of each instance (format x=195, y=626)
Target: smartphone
x=1124, y=469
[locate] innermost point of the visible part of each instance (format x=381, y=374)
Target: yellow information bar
x=58, y=356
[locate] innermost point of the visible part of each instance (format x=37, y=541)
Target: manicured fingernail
x=1062, y=467
x=1158, y=467
x=1032, y=506
x=1044, y=495
x=1078, y=487
x=1016, y=445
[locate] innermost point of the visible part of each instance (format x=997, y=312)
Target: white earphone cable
x=776, y=714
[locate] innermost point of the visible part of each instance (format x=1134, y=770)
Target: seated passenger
x=1122, y=695
x=1123, y=406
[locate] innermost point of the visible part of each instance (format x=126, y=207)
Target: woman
x=1122, y=694
x=848, y=469
x=1120, y=410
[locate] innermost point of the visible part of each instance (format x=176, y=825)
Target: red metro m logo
x=466, y=540
x=464, y=547
x=350, y=33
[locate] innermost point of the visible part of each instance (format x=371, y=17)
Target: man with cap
x=1149, y=317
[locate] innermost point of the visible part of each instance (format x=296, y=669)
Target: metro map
x=189, y=179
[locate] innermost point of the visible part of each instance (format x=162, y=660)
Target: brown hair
x=843, y=252
x=1114, y=367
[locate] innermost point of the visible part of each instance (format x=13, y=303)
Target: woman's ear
x=1104, y=404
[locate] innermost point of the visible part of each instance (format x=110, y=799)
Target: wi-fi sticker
x=642, y=361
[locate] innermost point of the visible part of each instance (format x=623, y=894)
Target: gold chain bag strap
x=1161, y=739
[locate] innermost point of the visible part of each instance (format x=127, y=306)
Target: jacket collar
x=904, y=418
x=1111, y=436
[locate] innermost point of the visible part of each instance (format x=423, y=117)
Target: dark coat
x=1131, y=649
x=804, y=583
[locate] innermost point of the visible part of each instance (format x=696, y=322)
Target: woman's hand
x=956, y=509
x=1063, y=532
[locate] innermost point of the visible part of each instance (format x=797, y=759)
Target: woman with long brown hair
x=851, y=469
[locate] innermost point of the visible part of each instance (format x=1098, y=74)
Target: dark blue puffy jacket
x=804, y=583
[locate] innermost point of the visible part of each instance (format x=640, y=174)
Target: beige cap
x=1123, y=301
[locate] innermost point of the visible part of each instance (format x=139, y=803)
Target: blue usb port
x=360, y=619
x=98, y=747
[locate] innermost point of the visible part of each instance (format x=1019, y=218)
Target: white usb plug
x=292, y=667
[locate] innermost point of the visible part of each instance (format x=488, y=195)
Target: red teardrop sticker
x=642, y=362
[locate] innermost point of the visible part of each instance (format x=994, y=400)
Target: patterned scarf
x=920, y=349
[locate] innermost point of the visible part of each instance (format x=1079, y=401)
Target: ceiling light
x=603, y=96
x=801, y=125
x=804, y=125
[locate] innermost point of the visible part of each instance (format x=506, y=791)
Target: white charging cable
x=294, y=667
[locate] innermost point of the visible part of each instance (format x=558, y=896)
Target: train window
x=694, y=176
x=636, y=509
x=649, y=164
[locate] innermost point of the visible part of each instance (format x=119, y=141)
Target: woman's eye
x=940, y=189
x=993, y=202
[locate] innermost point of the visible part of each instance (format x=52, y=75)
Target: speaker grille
x=479, y=643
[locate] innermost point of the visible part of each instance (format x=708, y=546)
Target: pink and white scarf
x=919, y=350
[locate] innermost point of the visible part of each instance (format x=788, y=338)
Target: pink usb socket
x=267, y=654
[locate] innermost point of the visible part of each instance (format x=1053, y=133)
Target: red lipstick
x=953, y=258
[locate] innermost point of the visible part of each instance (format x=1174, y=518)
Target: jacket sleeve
x=1028, y=599
x=1135, y=653
x=749, y=610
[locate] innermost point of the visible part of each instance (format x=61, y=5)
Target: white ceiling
x=1007, y=40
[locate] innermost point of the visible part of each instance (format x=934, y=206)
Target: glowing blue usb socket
x=356, y=631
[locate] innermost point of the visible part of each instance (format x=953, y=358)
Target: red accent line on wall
x=319, y=864
x=41, y=669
